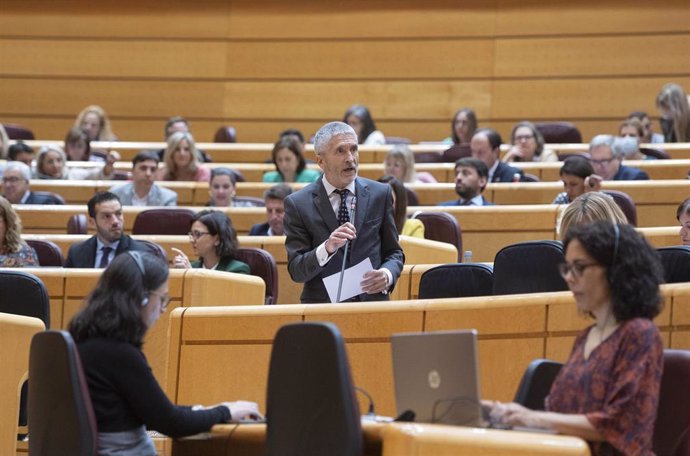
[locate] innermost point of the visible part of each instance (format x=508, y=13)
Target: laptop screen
x=436, y=376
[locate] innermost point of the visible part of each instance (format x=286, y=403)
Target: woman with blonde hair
x=51, y=163
x=399, y=163
x=14, y=252
x=590, y=207
x=95, y=121
x=182, y=160
x=672, y=102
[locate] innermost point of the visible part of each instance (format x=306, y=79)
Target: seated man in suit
x=105, y=213
x=318, y=226
x=471, y=175
x=607, y=154
x=275, y=212
x=486, y=146
x=16, y=186
x=143, y=191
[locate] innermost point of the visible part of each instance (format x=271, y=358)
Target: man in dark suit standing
x=105, y=213
x=471, y=176
x=275, y=212
x=17, y=188
x=317, y=222
x=486, y=146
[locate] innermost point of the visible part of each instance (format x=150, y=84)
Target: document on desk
x=351, y=281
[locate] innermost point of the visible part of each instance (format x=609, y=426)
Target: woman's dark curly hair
x=363, y=114
x=219, y=223
x=633, y=268
x=113, y=309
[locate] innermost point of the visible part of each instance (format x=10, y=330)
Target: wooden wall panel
x=590, y=17
x=115, y=59
x=593, y=56
x=277, y=19
x=133, y=99
x=327, y=100
x=266, y=66
x=608, y=98
x=125, y=18
x=319, y=60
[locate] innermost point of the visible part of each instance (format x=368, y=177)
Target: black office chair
x=672, y=427
x=49, y=254
x=441, y=227
x=676, y=263
x=626, y=203
x=61, y=417
x=169, y=220
x=262, y=264
x=457, y=280
x=536, y=383
x=310, y=406
x=529, y=267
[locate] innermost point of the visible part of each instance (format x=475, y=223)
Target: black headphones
x=616, y=241
x=136, y=256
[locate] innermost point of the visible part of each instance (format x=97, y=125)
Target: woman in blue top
x=290, y=164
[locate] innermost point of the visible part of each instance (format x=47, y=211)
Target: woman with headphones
x=608, y=391
x=109, y=331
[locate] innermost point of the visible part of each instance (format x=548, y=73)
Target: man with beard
x=471, y=176
x=105, y=213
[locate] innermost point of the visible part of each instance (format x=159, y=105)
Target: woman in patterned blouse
x=608, y=390
x=14, y=253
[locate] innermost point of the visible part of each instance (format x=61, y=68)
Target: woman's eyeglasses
x=577, y=269
x=164, y=298
x=196, y=235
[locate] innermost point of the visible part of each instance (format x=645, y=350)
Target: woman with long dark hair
x=109, y=331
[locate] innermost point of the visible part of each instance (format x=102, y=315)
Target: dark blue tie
x=105, y=257
x=343, y=214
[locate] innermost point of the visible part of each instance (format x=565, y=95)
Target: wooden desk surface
x=395, y=439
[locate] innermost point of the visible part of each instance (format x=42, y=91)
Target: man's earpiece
x=144, y=302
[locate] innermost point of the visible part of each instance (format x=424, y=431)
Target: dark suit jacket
x=83, y=254
x=42, y=198
x=505, y=173
x=457, y=202
x=626, y=173
x=260, y=229
x=309, y=221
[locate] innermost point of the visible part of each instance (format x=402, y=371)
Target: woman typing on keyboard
x=109, y=331
x=607, y=392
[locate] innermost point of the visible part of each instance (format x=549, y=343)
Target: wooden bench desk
x=513, y=330
x=395, y=439
x=16, y=332
x=68, y=288
x=416, y=251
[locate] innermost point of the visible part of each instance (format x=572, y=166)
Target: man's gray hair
x=328, y=131
x=21, y=167
x=605, y=140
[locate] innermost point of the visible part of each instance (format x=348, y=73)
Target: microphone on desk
x=353, y=206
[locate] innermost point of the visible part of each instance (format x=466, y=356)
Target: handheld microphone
x=353, y=206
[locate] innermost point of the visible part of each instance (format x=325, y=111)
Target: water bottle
x=467, y=256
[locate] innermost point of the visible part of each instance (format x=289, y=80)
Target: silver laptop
x=436, y=376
